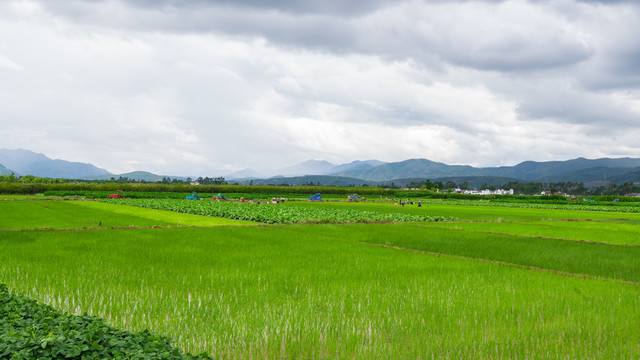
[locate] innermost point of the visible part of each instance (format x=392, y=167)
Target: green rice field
x=499, y=282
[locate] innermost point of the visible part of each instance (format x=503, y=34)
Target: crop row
x=275, y=213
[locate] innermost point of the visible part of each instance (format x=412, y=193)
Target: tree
x=9, y=178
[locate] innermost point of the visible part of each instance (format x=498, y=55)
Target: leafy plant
x=32, y=331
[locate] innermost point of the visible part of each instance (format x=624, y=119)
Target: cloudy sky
x=205, y=87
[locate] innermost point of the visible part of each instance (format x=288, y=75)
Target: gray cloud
x=337, y=7
x=448, y=80
x=390, y=29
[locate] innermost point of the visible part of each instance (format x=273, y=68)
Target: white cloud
x=6, y=63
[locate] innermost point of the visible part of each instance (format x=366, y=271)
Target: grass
x=602, y=260
x=178, y=219
x=89, y=214
x=25, y=197
x=276, y=292
x=623, y=232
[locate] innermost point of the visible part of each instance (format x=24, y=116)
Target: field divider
x=527, y=236
x=525, y=267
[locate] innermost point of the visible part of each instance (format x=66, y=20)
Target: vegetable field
x=335, y=279
x=282, y=213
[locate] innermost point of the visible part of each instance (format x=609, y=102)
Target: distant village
x=508, y=192
x=485, y=192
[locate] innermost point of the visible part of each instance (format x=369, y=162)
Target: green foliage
x=9, y=178
x=32, y=331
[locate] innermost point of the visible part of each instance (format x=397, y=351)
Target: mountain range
x=309, y=167
x=371, y=172
x=576, y=170
x=417, y=170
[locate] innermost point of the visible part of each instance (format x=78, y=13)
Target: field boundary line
x=525, y=267
x=529, y=236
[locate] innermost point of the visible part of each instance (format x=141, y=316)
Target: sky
x=209, y=87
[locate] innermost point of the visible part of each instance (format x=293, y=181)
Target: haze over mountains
x=309, y=167
x=4, y=170
x=371, y=172
x=25, y=162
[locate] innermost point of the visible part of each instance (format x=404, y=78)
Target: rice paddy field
x=452, y=280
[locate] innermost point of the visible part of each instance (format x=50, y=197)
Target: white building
x=486, y=192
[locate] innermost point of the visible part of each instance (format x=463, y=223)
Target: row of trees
x=30, y=179
x=210, y=181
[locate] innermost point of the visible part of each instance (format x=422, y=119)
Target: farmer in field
x=419, y=203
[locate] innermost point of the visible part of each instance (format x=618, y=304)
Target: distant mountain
x=631, y=176
x=20, y=159
x=532, y=170
x=413, y=168
x=557, y=171
x=617, y=175
x=5, y=171
x=27, y=162
x=244, y=174
x=309, y=167
x=307, y=179
x=355, y=166
x=620, y=170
